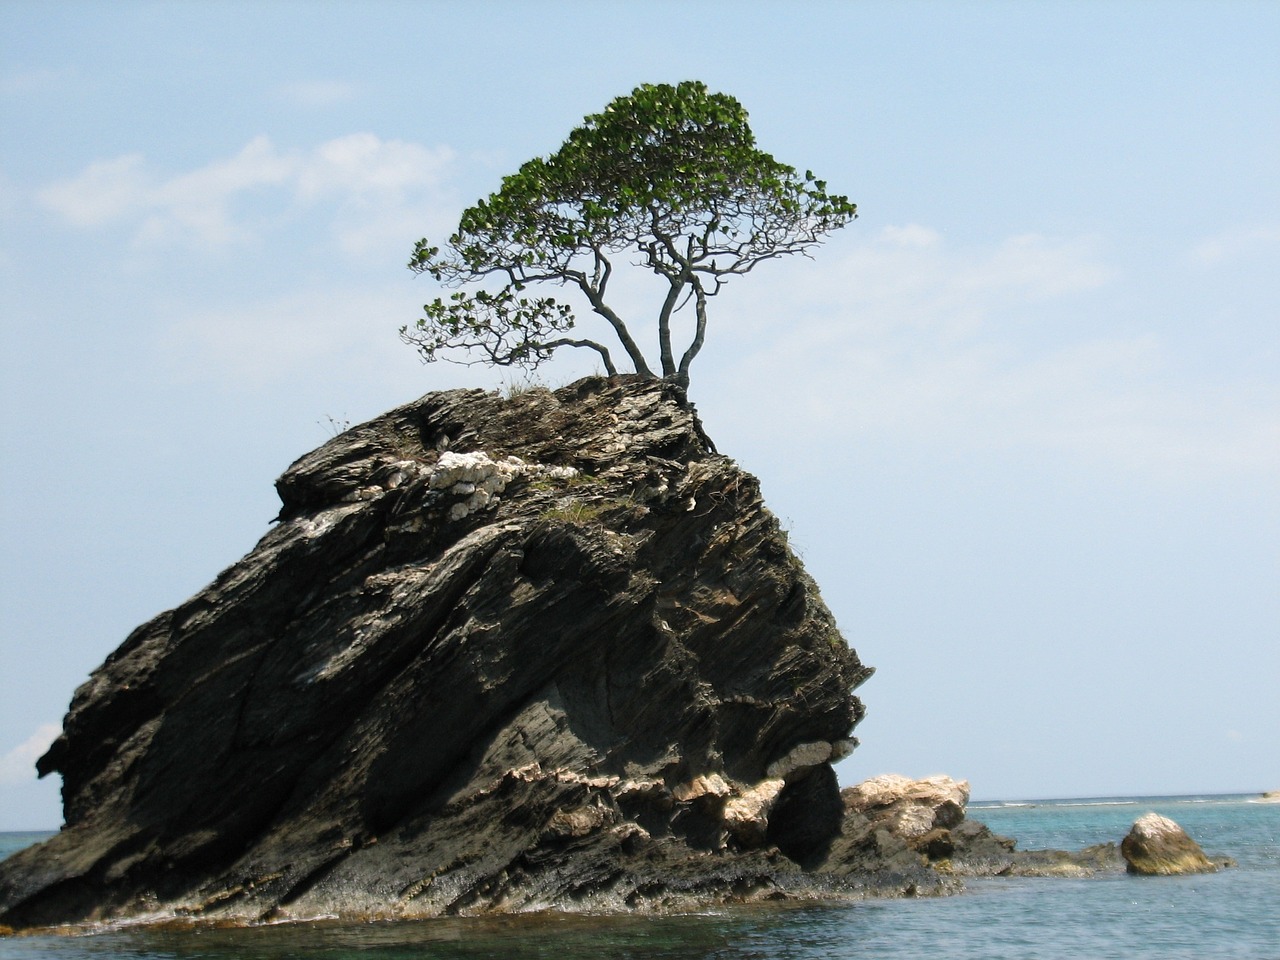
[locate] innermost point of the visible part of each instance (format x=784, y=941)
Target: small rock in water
x=1156, y=846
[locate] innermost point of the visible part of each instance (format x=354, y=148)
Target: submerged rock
x=548, y=651
x=1157, y=846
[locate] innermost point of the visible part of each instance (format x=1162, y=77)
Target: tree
x=669, y=175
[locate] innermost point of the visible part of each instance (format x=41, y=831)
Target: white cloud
x=316, y=94
x=910, y=278
x=912, y=235
x=362, y=164
x=388, y=191
x=18, y=765
x=199, y=204
x=106, y=191
x=376, y=188
x=1024, y=344
x=1031, y=268
x=307, y=334
x=1236, y=244
x=333, y=334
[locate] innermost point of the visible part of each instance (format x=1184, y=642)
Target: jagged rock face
x=542, y=651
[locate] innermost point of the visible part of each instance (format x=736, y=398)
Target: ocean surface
x=1235, y=913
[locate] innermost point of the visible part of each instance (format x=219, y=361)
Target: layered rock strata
x=498, y=654
x=545, y=651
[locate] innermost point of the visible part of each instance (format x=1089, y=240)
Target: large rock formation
x=497, y=654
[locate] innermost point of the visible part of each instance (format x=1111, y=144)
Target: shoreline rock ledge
x=548, y=651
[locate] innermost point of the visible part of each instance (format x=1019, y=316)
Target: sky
x=1021, y=419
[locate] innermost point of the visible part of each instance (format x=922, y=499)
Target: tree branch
x=699, y=335
x=620, y=328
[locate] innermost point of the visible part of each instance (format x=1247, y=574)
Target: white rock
x=481, y=479
x=914, y=821
x=841, y=749
x=644, y=788
x=747, y=816
x=804, y=755
x=891, y=788
x=701, y=786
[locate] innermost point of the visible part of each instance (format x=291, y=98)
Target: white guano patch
x=480, y=479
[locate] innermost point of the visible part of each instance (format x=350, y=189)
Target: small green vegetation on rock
x=574, y=511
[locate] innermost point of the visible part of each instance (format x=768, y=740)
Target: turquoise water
x=1233, y=914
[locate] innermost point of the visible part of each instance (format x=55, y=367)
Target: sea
x=1231, y=914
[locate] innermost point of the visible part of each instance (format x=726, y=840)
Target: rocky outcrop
x=1157, y=846
x=912, y=809
x=901, y=821
x=545, y=651
x=918, y=832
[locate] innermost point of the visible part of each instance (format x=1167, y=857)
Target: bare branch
x=600, y=348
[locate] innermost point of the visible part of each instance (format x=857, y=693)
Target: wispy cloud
x=910, y=276
x=387, y=191
x=315, y=94
x=18, y=765
x=308, y=333
x=1236, y=244
x=107, y=190
x=1005, y=346
x=910, y=282
x=375, y=186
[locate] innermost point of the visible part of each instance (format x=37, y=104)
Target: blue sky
x=1022, y=418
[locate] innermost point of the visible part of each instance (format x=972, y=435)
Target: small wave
x=999, y=804
x=1096, y=803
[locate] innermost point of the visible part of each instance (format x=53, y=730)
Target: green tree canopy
x=668, y=177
